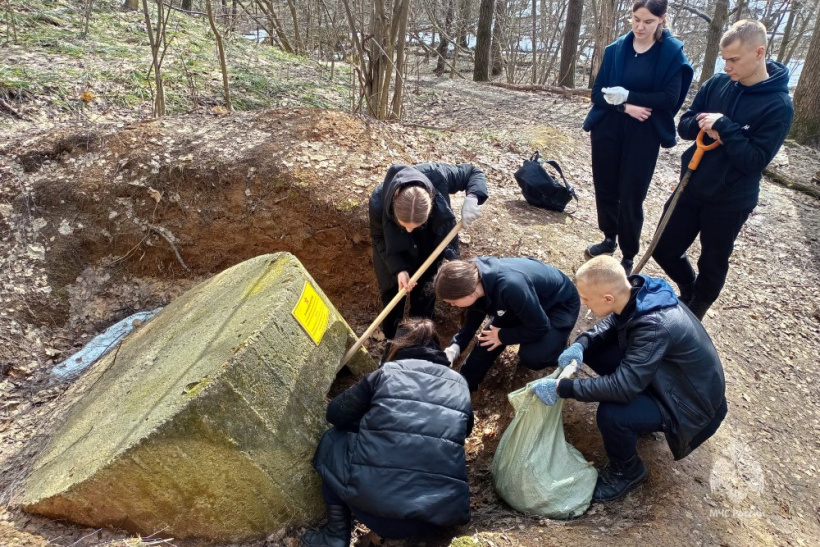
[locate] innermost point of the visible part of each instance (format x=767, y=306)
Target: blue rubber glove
x=575, y=351
x=546, y=389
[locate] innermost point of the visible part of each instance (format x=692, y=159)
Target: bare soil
x=103, y=219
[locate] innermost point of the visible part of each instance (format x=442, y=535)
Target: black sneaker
x=626, y=263
x=616, y=479
x=606, y=247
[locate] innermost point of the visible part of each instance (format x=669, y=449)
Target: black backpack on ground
x=540, y=188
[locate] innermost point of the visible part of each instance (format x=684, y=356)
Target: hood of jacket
x=653, y=294
x=404, y=175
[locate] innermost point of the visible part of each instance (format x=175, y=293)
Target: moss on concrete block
x=204, y=422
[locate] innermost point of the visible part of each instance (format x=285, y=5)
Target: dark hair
x=412, y=333
x=656, y=8
x=456, y=279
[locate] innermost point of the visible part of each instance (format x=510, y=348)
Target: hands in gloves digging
x=615, y=95
x=452, y=352
x=546, y=389
x=573, y=353
x=470, y=211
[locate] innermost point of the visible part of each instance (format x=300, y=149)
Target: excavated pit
x=132, y=217
x=153, y=212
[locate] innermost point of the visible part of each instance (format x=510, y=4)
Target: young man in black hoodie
x=749, y=111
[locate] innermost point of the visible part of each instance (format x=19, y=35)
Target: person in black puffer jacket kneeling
x=395, y=457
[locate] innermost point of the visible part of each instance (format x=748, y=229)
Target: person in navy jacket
x=395, y=455
x=642, y=83
x=530, y=304
x=410, y=215
x=749, y=110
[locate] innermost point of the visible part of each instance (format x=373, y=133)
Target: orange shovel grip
x=698, y=155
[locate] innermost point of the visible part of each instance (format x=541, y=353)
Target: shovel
x=691, y=168
x=376, y=322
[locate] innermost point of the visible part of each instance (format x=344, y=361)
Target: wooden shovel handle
x=378, y=321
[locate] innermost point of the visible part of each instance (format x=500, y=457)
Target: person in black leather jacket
x=395, y=456
x=658, y=371
x=410, y=215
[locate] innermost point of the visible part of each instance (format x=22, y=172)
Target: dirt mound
x=193, y=197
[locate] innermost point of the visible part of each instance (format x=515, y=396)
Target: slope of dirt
x=93, y=219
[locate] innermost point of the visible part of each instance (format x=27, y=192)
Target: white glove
x=452, y=352
x=470, y=211
x=615, y=95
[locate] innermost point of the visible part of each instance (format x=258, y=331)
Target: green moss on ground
x=51, y=63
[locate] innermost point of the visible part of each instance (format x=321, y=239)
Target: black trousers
x=624, y=154
x=620, y=424
x=535, y=355
x=422, y=302
x=718, y=231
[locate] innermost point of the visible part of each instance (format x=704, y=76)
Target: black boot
x=606, y=247
x=626, y=264
x=699, y=307
x=687, y=291
x=616, y=479
x=336, y=533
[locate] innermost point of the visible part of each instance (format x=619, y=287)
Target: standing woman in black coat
x=642, y=83
x=410, y=215
x=395, y=456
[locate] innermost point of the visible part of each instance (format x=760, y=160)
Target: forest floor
x=74, y=260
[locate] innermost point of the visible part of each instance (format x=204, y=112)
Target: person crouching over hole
x=657, y=371
x=410, y=215
x=395, y=457
x=531, y=304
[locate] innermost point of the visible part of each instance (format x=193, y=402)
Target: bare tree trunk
x=806, y=127
x=460, y=38
x=569, y=46
x=300, y=48
x=266, y=6
x=87, y=16
x=713, y=39
x=802, y=32
x=484, y=37
x=605, y=23
x=498, y=37
x=534, y=39
x=156, y=38
x=400, y=15
x=739, y=10
x=445, y=42
x=222, y=64
x=784, y=43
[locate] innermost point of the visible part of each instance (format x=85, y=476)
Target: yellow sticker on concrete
x=311, y=312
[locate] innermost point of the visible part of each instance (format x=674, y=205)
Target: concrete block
x=204, y=422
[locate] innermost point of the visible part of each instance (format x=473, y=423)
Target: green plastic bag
x=534, y=469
